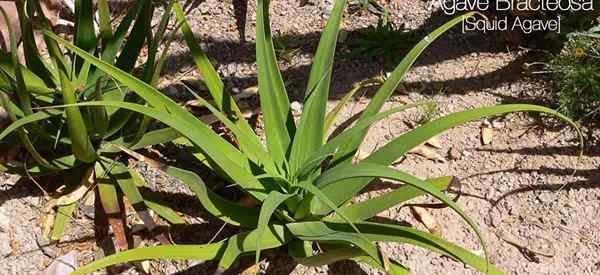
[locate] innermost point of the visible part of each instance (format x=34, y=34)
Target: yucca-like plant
x=302, y=178
x=78, y=146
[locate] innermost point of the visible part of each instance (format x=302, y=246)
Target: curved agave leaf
x=392, y=83
x=345, y=190
x=165, y=252
x=393, y=267
x=334, y=253
x=393, y=233
x=269, y=206
x=277, y=115
x=318, y=231
x=330, y=147
x=223, y=99
x=367, y=209
x=249, y=142
x=242, y=243
x=309, y=135
x=229, y=212
x=366, y=169
x=213, y=146
x=81, y=144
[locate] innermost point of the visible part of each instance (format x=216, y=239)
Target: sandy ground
x=535, y=199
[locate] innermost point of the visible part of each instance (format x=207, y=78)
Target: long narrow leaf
x=309, y=135
x=393, y=81
x=401, y=145
x=275, y=104
x=166, y=252
x=269, y=206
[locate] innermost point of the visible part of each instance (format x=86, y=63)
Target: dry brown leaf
x=427, y=152
x=435, y=142
x=247, y=93
x=252, y=270
x=78, y=193
x=423, y=216
x=487, y=135
x=359, y=156
x=249, y=201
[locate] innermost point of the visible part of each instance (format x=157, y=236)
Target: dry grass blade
x=424, y=216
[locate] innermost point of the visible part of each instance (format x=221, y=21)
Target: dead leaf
x=359, y=156
x=427, y=152
x=252, y=270
x=423, y=216
x=487, y=135
x=63, y=265
x=249, y=201
x=78, y=193
x=247, y=93
x=435, y=142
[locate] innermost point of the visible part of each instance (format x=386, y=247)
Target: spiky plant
x=302, y=183
x=78, y=146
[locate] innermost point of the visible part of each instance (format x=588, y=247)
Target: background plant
x=302, y=182
x=576, y=74
x=78, y=147
x=385, y=40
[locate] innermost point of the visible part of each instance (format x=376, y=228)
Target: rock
x=296, y=107
x=63, y=265
x=546, y=197
x=454, y=154
x=4, y=220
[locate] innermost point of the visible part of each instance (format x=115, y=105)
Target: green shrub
x=576, y=74
x=302, y=183
x=386, y=41
x=78, y=146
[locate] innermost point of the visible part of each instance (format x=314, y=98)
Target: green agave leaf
x=203, y=140
x=23, y=136
x=309, y=135
x=140, y=32
x=268, y=208
x=213, y=146
x=81, y=144
x=30, y=49
x=64, y=214
x=225, y=103
x=328, y=149
x=367, y=209
x=340, y=253
x=275, y=104
x=393, y=233
x=249, y=142
x=85, y=34
x=331, y=256
x=231, y=213
x=343, y=191
x=394, y=268
x=242, y=243
x=112, y=47
x=392, y=83
x=23, y=95
x=33, y=83
x=165, y=252
x=366, y=169
x=151, y=138
x=333, y=114
x=318, y=231
x=37, y=116
x=165, y=212
x=128, y=180
x=104, y=20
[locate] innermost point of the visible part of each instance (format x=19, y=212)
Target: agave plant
x=302, y=178
x=76, y=145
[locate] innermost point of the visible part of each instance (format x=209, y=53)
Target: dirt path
x=534, y=198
